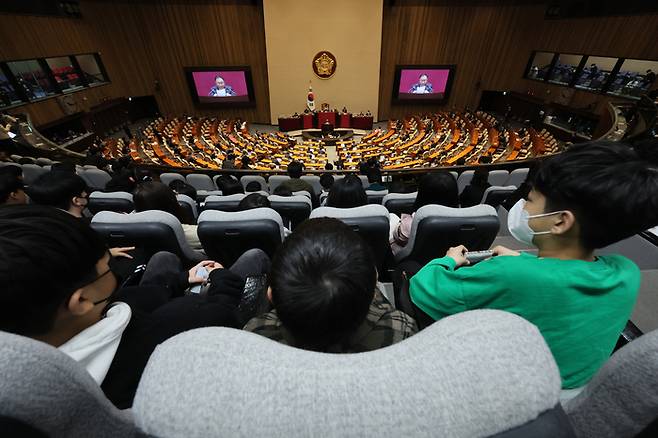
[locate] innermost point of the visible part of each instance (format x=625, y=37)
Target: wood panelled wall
x=491, y=41
x=147, y=41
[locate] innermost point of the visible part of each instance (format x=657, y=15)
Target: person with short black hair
x=295, y=183
x=375, y=179
x=281, y=190
x=252, y=186
x=439, y=188
x=326, y=181
x=347, y=192
x=69, y=297
x=254, y=200
x=328, y=166
x=60, y=189
x=229, y=185
x=324, y=293
x=12, y=188
x=588, y=197
x=229, y=162
x=474, y=191
x=182, y=188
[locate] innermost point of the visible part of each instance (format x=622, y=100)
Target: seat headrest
x=234, y=197
x=459, y=377
x=392, y=196
x=261, y=213
x=298, y=199
x=111, y=195
x=369, y=210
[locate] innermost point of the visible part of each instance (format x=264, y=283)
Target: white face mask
x=517, y=223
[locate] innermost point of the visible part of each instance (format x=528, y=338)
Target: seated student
x=12, y=189
x=323, y=289
x=375, y=179
x=326, y=181
x=229, y=185
x=252, y=186
x=60, y=189
x=70, y=298
x=280, y=190
x=347, y=192
x=157, y=196
x=182, y=188
x=472, y=193
x=122, y=181
x=586, y=198
x=295, y=183
x=254, y=200
x=438, y=188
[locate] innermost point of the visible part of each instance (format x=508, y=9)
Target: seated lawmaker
x=220, y=89
x=586, y=198
x=12, y=188
x=422, y=86
x=324, y=293
x=69, y=297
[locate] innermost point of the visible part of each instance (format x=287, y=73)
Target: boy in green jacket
x=586, y=198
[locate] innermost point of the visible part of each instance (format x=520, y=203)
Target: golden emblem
x=324, y=65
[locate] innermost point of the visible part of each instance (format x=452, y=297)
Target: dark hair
x=252, y=186
x=326, y=180
x=437, y=188
x=183, y=188
x=11, y=180
x=611, y=189
x=480, y=177
x=255, y=200
x=347, y=192
x=66, y=166
x=397, y=186
x=328, y=166
x=45, y=255
x=229, y=185
x=57, y=189
x=323, y=281
x=122, y=181
x=157, y=196
x=246, y=161
x=374, y=175
x=295, y=169
x=282, y=191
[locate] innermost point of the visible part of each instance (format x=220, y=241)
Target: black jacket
x=160, y=312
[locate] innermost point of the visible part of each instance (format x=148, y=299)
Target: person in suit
x=220, y=89
x=422, y=86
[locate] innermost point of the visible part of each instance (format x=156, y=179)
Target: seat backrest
x=223, y=203
x=461, y=377
x=95, y=178
x=188, y=204
x=464, y=179
x=167, y=177
x=454, y=174
x=621, y=399
x=120, y=202
x=42, y=161
x=89, y=166
x=44, y=388
x=517, y=177
x=436, y=228
x=498, y=177
x=226, y=235
x=502, y=219
x=31, y=172
x=302, y=193
x=314, y=181
x=200, y=181
x=275, y=181
x=496, y=195
x=151, y=230
x=371, y=222
x=399, y=203
x=376, y=196
x=293, y=209
x=364, y=180
x=259, y=179
x=201, y=195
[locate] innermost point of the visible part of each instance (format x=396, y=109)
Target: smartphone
x=202, y=273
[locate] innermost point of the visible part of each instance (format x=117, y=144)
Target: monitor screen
x=635, y=77
x=422, y=83
x=220, y=86
x=539, y=65
x=595, y=73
